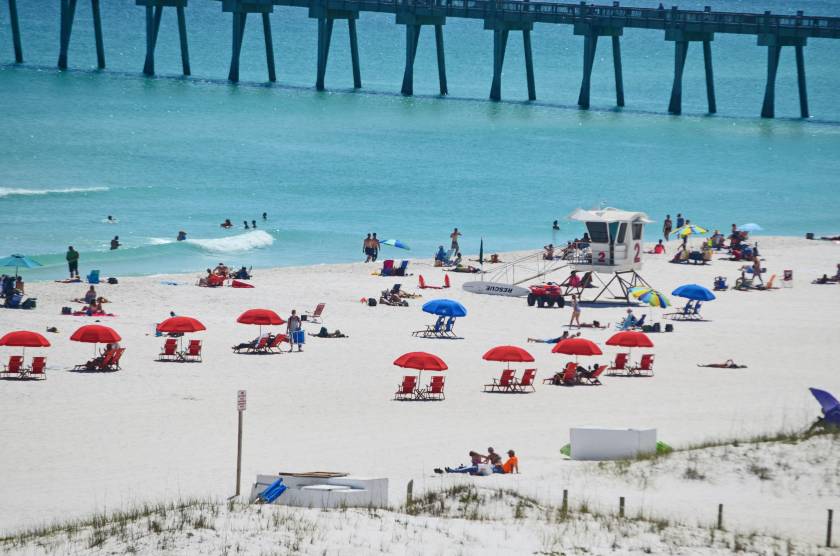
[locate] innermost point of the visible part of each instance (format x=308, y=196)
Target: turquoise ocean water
x=168, y=153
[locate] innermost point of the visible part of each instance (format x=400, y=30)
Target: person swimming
x=226, y=224
x=246, y=224
x=115, y=243
x=265, y=216
x=182, y=235
x=253, y=224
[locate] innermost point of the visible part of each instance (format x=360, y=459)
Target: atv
x=546, y=295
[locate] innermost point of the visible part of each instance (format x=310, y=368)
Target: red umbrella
x=630, y=339
x=508, y=354
x=95, y=334
x=180, y=325
x=24, y=339
x=421, y=361
x=576, y=347
x=260, y=317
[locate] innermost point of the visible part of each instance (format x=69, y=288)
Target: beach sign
x=495, y=288
x=241, y=400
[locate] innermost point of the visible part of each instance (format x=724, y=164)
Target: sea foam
x=12, y=191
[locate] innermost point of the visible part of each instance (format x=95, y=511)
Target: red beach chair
x=503, y=383
x=569, y=373
x=645, y=366
x=315, y=316
x=169, y=351
x=37, y=369
x=405, y=390
x=12, y=370
x=435, y=389
x=193, y=352
x=527, y=381
x=114, y=363
x=619, y=366
x=593, y=378
x=275, y=344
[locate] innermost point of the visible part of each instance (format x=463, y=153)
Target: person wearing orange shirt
x=510, y=466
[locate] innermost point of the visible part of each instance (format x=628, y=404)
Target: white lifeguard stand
x=614, y=247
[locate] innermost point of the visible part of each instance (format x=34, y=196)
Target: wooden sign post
x=241, y=404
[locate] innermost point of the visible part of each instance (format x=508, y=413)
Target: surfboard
x=495, y=288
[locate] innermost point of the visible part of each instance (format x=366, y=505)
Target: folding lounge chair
x=114, y=363
x=259, y=347
x=36, y=371
x=13, y=369
x=193, y=352
x=315, y=316
x=619, y=366
x=645, y=366
x=431, y=329
x=401, y=270
x=275, y=344
x=505, y=383
x=169, y=351
x=405, y=390
x=527, y=381
x=99, y=363
x=93, y=277
x=594, y=379
x=447, y=331
x=435, y=389
x=570, y=376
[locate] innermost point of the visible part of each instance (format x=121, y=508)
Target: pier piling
x=154, y=13
x=13, y=20
x=269, y=47
x=413, y=25
x=326, y=19
x=501, y=31
x=774, y=43
x=681, y=39
x=590, y=35
x=240, y=10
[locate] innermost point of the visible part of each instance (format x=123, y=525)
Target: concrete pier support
x=240, y=10
x=326, y=19
x=774, y=44
x=501, y=30
x=590, y=35
x=154, y=13
x=68, y=14
x=413, y=25
x=13, y=19
x=681, y=39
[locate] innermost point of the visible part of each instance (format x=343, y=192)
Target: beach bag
x=66, y=311
x=656, y=327
x=647, y=328
x=371, y=302
x=113, y=280
x=29, y=303
x=669, y=327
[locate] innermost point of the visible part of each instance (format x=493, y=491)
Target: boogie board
x=495, y=288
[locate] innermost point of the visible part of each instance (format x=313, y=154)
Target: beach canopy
x=421, y=361
x=577, y=346
x=652, y=297
x=690, y=229
x=95, y=334
x=750, y=227
x=445, y=308
x=24, y=338
x=395, y=243
x=180, y=325
x=18, y=261
x=694, y=292
x=630, y=339
x=508, y=354
x=262, y=317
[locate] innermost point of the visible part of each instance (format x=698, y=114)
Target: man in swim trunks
x=367, y=249
x=374, y=243
x=454, y=237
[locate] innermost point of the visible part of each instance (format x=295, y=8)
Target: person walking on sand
x=72, y=262
x=454, y=237
x=367, y=249
x=757, y=269
x=293, y=328
x=575, y=312
x=667, y=226
x=375, y=244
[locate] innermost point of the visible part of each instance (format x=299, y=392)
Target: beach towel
x=238, y=284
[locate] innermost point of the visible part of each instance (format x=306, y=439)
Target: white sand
x=76, y=443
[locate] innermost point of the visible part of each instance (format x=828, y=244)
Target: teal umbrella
x=18, y=261
x=395, y=243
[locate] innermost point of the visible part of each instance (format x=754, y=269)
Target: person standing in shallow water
x=367, y=249
x=454, y=237
x=374, y=242
x=72, y=262
x=667, y=226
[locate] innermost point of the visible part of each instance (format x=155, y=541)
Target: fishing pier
x=591, y=22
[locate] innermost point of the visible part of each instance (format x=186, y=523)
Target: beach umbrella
x=630, y=339
x=481, y=253
x=24, y=339
x=652, y=297
x=690, y=229
x=445, y=308
x=95, y=334
x=180, y=325
x=751, y=227
x=577, y=347
x=261, y=317
x=395, y=243
x=421, y=361
x=508, y=354
x=694, y=292
x=18, y=261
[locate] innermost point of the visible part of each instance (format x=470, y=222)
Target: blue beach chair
x=272, y=492
x=93, y=277
x=431, y=329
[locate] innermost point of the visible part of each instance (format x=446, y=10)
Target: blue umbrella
x=395, y=243
x=751, y=227
x=18, y=261
x=694, y=292
x=445, y=308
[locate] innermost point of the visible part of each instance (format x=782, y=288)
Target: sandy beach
x=78, y=443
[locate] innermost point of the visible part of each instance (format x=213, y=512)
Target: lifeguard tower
x=614, y=247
